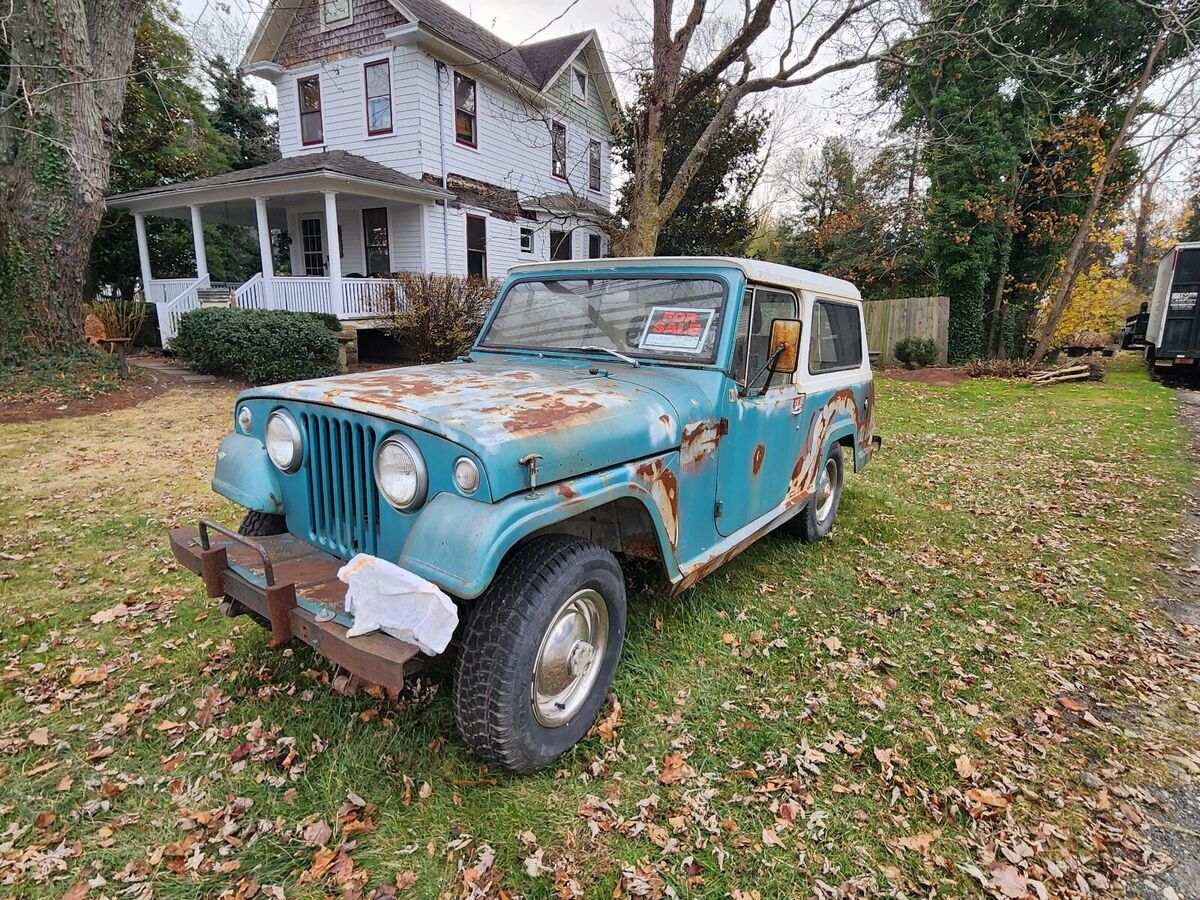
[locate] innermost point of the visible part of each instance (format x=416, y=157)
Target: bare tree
x=776, y=44
x=62, y=89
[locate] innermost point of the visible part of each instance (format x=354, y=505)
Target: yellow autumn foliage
x=1100, y=301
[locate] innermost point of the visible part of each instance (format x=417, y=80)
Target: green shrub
x=435, y=317
x=262, y=346
x=915, y=352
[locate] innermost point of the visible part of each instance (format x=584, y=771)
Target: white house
x=412, y=139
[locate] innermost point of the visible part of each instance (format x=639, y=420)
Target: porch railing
x=176, y=305
x=359, y=300
x=251, y=294
x=361, y=296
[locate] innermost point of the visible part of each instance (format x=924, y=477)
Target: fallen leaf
x=40, y=737
x=964, y=766
x=919, y=843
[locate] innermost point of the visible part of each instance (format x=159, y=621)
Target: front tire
x=815, y=521
x=539, y=651
x=262, y=524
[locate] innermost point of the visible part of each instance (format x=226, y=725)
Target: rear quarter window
x=836, y=338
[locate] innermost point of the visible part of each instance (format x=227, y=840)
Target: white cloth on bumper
x=381, y=596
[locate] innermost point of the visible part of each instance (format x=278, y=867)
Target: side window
x=312, y=130
x=760, y=307
x=836, y=337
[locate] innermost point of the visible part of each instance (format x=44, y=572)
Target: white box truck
x=1168, y=327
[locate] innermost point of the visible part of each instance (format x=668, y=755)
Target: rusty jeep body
x=669, y=409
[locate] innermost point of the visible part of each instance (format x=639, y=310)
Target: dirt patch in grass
x=931, y=375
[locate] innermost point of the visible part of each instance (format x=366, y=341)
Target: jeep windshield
x=656, y=318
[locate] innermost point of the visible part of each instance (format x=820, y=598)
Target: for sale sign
x=677, y=329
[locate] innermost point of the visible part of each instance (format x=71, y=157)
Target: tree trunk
x=59, y=114
x=1076, y=255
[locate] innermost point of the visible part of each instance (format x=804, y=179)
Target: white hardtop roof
x=753, y=269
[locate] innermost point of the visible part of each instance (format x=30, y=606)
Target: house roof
x=332, y=162
x=535, y=64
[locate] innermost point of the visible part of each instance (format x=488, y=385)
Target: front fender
x=458, y=543
x=246, y=475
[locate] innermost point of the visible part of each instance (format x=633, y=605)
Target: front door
x=312, y=246
x=757, y=455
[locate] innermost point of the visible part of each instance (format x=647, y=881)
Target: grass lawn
x=962, y=692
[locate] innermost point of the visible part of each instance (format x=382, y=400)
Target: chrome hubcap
x=825, y=490
x=568, y=661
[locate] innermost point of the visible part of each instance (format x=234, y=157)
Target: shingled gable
x=289, y=34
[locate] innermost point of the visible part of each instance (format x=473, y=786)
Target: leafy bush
x=70, y=373
x=117, y=316
x=436, y=317
x=997, y=368
x=262, y=346
x=915, y=352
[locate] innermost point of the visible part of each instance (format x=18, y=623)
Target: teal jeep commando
x=663, y=408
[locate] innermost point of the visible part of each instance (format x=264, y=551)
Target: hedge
x=914, y=351
x=261, y=346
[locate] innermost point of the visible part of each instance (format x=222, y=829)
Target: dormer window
x=336, y=13
x=579, y=80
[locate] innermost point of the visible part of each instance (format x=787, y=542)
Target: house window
x=336, y=13
x=464, y=110
x=594, y=165
x=378, y=79
x=477, y=246
x=375, y=240
x=312, y=247
x=595, y=247
x=836, y=341
x=560, y=244
x=558, y=150
x=526, y=240
x=311, y=129
x=579, y=80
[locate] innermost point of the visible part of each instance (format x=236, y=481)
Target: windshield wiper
x=591, y=348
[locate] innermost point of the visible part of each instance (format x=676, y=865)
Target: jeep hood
x=502, y=410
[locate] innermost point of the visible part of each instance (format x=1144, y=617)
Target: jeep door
x=758, y=452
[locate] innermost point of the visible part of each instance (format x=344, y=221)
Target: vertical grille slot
x=343, y=503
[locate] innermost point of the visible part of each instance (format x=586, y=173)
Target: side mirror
x=785, y=340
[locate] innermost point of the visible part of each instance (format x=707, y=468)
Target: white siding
x=513, y=138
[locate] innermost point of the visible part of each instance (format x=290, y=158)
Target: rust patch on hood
x=538, y=411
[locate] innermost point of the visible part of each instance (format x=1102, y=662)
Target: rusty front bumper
x=294, y=586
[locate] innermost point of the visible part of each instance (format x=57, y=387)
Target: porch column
x=335, y=253
x=264, y=251
x=139, y=225
x=198, y=243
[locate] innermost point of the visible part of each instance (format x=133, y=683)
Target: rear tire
x=262, y=524
x=539, y=651
x=815, y=521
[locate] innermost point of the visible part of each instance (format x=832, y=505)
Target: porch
x=350, y=223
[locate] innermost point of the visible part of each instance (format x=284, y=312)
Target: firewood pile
x=1080, y=371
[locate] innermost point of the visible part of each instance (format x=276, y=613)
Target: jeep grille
x=343, y=502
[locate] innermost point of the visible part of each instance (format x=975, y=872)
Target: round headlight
x=283, y=441
x=245, y=419
x=400, y=472
x=466, y=475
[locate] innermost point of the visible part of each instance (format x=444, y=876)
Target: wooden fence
x=889, y=321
